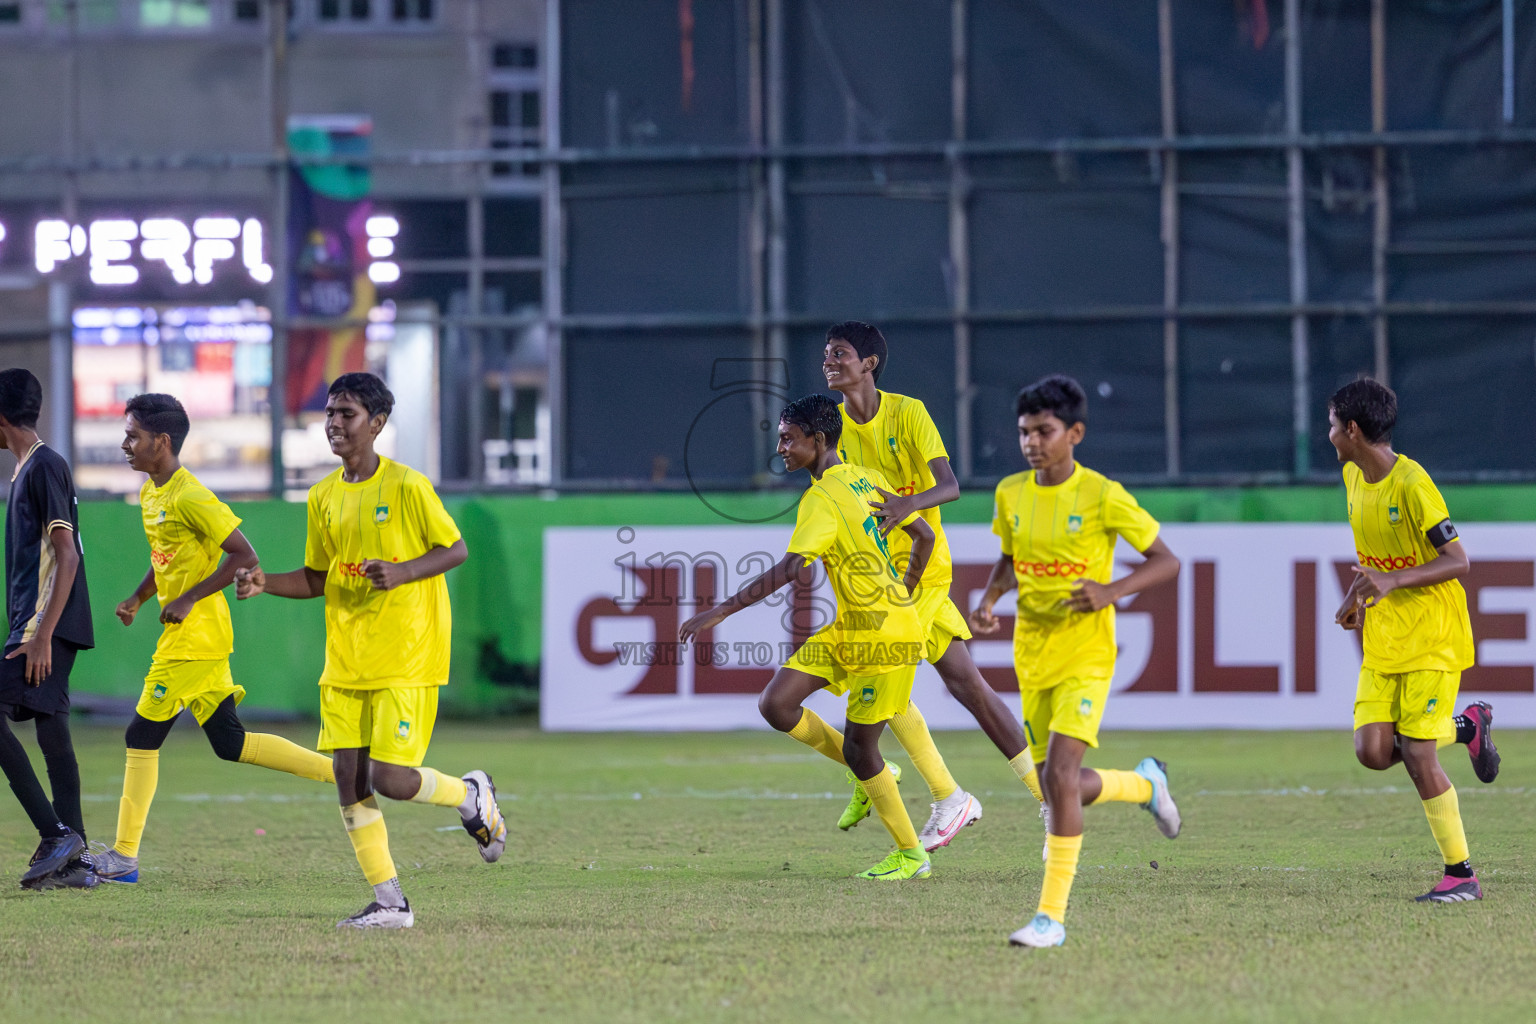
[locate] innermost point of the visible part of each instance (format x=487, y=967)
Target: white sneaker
x=1042, y=932
x=375, y=916
x=1045, y=817
x=949, y=816
x=486, y=824
x=1161, y=806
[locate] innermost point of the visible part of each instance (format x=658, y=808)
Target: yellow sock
x=269, y=751
x=439, y=789
x=815, y=733
x=370, y=840
x=140, y=777
x=1024, y=768
x=1122, y=787
x=1444, y=814
x=893, y=813
x=1060, y=868
x=912, y=733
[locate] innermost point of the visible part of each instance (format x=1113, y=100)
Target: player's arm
x=300, y=584
x=999, y=582
x=1161, y=566
x=789, y=568
x=922, y=549
x=389, y=575
x=238, y=554
x=39, y=650
x=129, y=607
x=1450, y=563
x=893, y=508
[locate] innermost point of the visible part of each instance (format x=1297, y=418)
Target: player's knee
x=395, y=781
x=142, y=734
x=1373, y=754
x=227, y=741
x=778, y=712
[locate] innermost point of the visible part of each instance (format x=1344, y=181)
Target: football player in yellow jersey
x=894, y=434
x=1058, y=522
x=1417, y=635
x=379, y=543
x=872, y=647
x=195, y=549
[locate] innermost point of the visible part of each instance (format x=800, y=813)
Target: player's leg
x=1062, y=780
x=967, y=685
x=952, y=808
x=141, y=777
x=1474, y=728
x=58, y=747
x=403, y=720
x=229, y=739
x=871, y=702
x=58, y=843
x=1081, y=703
x=1426, y=703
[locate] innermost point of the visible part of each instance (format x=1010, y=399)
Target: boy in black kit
x=49, y=620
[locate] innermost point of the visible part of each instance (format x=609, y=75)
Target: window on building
x=10, y=14
x=247, y=10
x=412, y=10
x=515, y=115
x=175, y=14
x=89, y=14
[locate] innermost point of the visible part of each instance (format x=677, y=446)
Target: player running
x=49, y=620
x=195, y=549
x=871, y=650
x=1058, y=522
x=379, y=543
x=895, y=435
x=1417, y=635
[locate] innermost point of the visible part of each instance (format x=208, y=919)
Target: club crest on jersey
x=1074, y=524
x=381, y=514
x=402, y=729
x=892, y=442
x=1429, y=708
x=867, y=696
x=158, y=693
x=1393, y=515
x=161, y=517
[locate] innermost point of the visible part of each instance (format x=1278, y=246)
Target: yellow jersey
x=375, y=639
x=1397, y=523
x=877, y=629
x=898, y=443
x=1055, y=537
x=186, y=526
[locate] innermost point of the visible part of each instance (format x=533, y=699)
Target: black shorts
x=50, y=697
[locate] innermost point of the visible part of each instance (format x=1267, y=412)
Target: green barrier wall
x=279, y=645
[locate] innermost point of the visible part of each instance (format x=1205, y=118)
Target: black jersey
x=42, y=499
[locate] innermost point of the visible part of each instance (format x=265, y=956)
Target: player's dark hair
x=369, y=390
x=866, y=340
x=1059, y=395
x=161, y=414
x=815, y=414
x=21, y=397
x=1371, y=404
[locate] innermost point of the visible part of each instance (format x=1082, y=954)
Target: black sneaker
x=77, y=874
x=1485, y=757
x=1453, y=890
x=51, y=855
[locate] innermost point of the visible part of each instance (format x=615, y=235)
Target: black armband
x=1441, y=534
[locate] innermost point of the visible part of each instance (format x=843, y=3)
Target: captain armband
x=1442, y=533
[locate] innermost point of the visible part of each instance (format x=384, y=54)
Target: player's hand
x=249, y=583
x=39, y=654
x=1371, y=586
x=892, y=509
x=385, y=575
x=1351, y=615
x=126, y=610
x=177, y=611
x=700, y=622
x=983, y=621
x=1088, y=596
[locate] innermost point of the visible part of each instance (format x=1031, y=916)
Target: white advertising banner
x=1244, y=638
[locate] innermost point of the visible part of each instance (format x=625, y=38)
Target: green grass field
x=701, y=877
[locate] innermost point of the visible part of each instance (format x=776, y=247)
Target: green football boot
x=899, y=866
x=860, y=805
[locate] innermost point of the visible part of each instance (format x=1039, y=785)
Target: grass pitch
x=701, y=877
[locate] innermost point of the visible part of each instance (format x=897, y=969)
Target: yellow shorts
x=944, y=622
x=1420, y=704
x=394, y=724
x=199, y=686
x=1073, y=707
x=870, y=698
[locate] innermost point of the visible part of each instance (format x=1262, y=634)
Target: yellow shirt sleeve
x=1426, y=507
x=1002, y=521
x=436, y=527
x=815, y=527
x=923, y=432
x=206, y=514
x=317, y=547
x=1123, y=516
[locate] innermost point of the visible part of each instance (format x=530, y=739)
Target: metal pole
x=475, y=229
x=960, y=239
x=61, y=339
x=1381, y=233
x=277, y=91
x=1170, y=233
x=778, y=275
x=1509, y=61
x=1296, y=213
x=757, y=241
x=554, y=242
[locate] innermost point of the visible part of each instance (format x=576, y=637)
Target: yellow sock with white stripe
x=1025, y=769
x=269, y=751
x=815, y=733
x=1060, y=868
x=1121, y=787
x=893, y=813
x=1444, y=814
x=912, y=733
x=140, y=777
x=439, y=789
x=370, y=840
